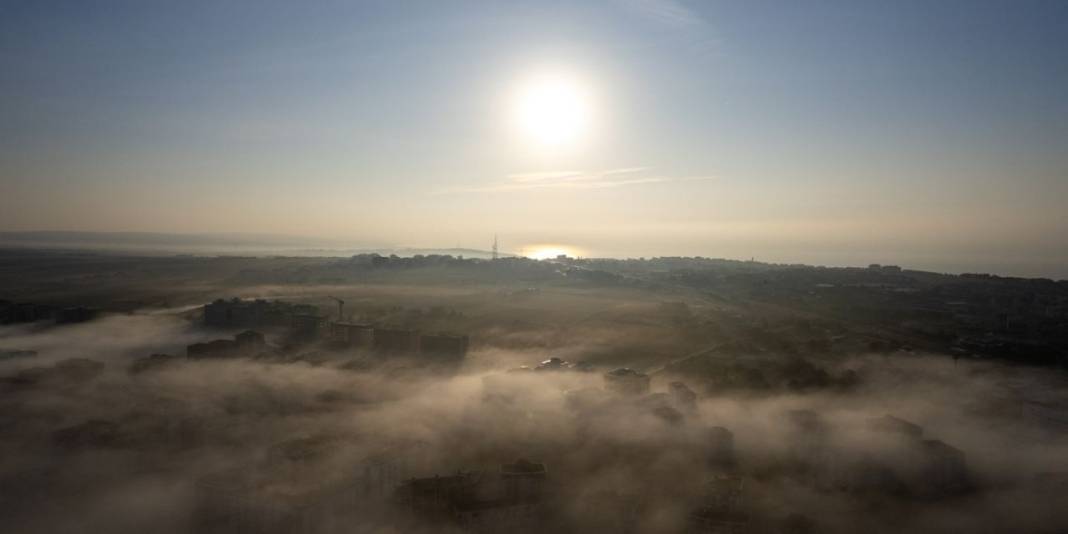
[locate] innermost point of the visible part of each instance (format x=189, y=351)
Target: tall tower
x=494, y=246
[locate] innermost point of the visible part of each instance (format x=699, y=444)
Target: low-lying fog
x=89, y=449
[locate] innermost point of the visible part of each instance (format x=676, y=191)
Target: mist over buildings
x=570, y=266
x=609, y=421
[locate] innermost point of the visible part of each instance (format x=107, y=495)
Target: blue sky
x=928, y=133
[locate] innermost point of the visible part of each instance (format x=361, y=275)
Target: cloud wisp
x=668, y=12
x=603, y=179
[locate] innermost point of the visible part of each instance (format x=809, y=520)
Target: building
x=250, y=341
x=23, y=312
x=553, y=364
x=76, y=314
x=612, y=511
x=307, y=326
x=719, y=448
x=627, y=381
x=292, y=492
x=659, y=404
x=16, y=354
x=246, y=343
x=237, y=313
x=245, y=502
x=893, y=425
x=383, y=472
x=513, y=501
x=148, y=363
x=220, y=348
x=524, y=481
x=438, y=498
x=899, y=461
x=443, y=346
x=682, y=397
x=353, y=335
x=396, y=341
x=721, y=510
x=943, y=470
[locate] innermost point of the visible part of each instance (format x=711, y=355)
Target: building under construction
x=307, y=325
x=448, y=347
x=396, y=340
x=352, y=335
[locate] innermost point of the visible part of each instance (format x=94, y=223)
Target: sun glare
x=552, y=111
x=548, y=252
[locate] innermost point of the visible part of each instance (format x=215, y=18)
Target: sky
x=932, y=134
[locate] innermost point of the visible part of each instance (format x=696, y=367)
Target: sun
x=548, y=252
x=552, y=110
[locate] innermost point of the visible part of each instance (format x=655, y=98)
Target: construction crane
x=340, y=309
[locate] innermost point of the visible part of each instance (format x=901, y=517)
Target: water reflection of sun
x=546, y=252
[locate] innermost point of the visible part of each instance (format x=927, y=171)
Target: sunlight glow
x=548, y=252
x=552, y=111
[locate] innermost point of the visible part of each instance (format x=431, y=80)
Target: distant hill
x=249, y=244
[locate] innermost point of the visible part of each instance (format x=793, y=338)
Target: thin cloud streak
x=571, y=176
x=668, y=12
x=572, y=180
